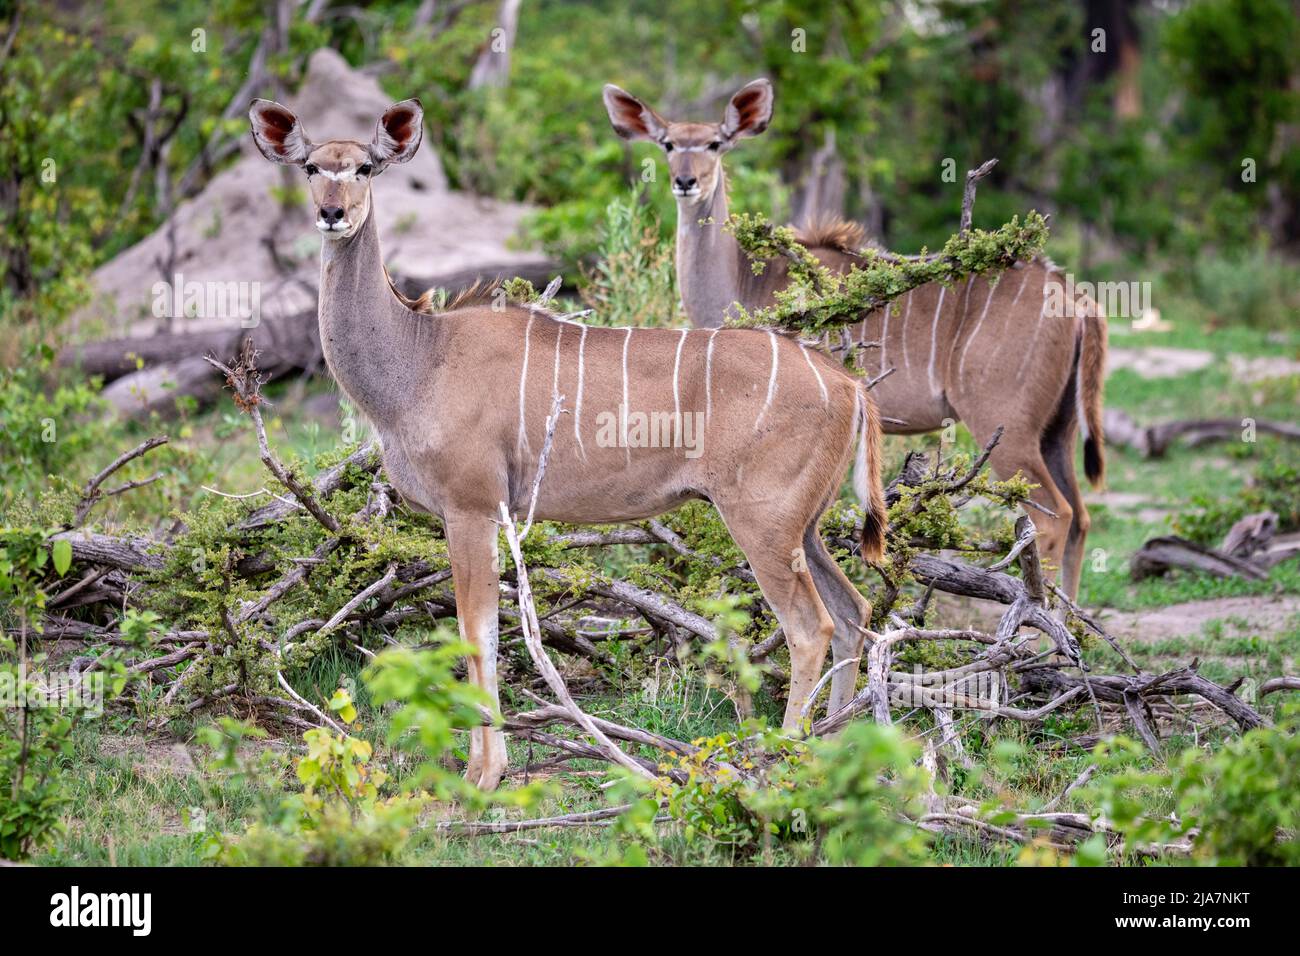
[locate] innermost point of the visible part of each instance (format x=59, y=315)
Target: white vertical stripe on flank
x=826, y=398
x=626, y=410
x=934, y=334
x=677, y=403
x=555, y=378
x=1023, y=279
x=708, y=377
x=907, y=313
x=577, y=408
x=522, y=439
x=961, y=364
x=1038, y=327
x=884, y=335
x=771, y=382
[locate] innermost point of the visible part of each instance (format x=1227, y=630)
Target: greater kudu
x=985, y=353
x=460, y=398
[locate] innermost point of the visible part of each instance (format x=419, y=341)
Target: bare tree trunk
x=493, y=65
x=819, y=185
x=1111, y=47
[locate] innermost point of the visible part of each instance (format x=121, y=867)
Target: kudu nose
x=685, y=183
x=331, y=214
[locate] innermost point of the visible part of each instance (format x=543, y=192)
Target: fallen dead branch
x=1161, y=555
x=1152, y=441
x=603, y=817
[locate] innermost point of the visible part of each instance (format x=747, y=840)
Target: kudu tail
x=866, y=478
x=1091, y=379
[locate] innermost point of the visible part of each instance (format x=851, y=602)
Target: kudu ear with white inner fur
x=398, y=133
x=631, y=118
x=278, y=134
x=749, y=111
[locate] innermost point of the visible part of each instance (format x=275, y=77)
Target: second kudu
x=986, y=353
x=460, y=399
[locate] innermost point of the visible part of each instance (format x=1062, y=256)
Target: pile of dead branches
x=1029, y=667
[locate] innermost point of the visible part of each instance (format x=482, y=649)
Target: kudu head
x=338, y=171
x=694, y=150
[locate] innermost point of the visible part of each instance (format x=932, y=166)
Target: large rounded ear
x=631, y=118
x=749, y=111
x=278, y=134
x=398, y=133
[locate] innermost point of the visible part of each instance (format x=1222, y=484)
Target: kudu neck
x=708, y=259
x=367, y=334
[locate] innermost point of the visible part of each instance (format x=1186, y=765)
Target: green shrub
x=845, y=800
x=634, y=280
x=1272, y=488
x=1256, y=287
x=43, y=431
x=38, y=711
x=1240, y=803
x=338, y=818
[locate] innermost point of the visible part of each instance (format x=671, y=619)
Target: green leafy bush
x=634, y=280
x=339, y=818
x=38, y=711
x=1239, y=803
x=43, y=431
x=1272, y=488
x=845, y=799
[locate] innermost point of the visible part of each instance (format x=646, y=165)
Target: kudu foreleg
x=475, y=570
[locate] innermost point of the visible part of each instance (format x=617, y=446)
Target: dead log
x=147, y=374
x=123, y=553
x=114, y=358
x=1152, y=441
x=1252, y=533
x=1113, y=688
x=1161, y=555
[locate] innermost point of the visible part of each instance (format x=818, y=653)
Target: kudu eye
x=715, y=146
x=668, y=147
x=364, y=169
x=310, y=170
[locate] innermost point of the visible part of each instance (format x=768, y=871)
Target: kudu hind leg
x=781, y=567
x=1058, y=452
x=472, y=546
x=851, y=611
x=1019, y=451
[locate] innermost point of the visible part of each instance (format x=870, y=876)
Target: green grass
x=1162, y=488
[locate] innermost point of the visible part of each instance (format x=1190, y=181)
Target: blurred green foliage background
x=1162, y=136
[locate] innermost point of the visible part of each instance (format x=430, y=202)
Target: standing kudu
x=986, y=353
x=460, y=399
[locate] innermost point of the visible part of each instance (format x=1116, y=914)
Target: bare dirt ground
x=1264, y=614
x=1154, y=361
x=149, y=755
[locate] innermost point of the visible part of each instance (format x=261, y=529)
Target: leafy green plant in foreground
x=37, y=711
x=844, y=800
x=349, y=812
x=339, y=818
x=1240, y=803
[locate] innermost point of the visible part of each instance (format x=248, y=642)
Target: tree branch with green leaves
x=818, y=300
